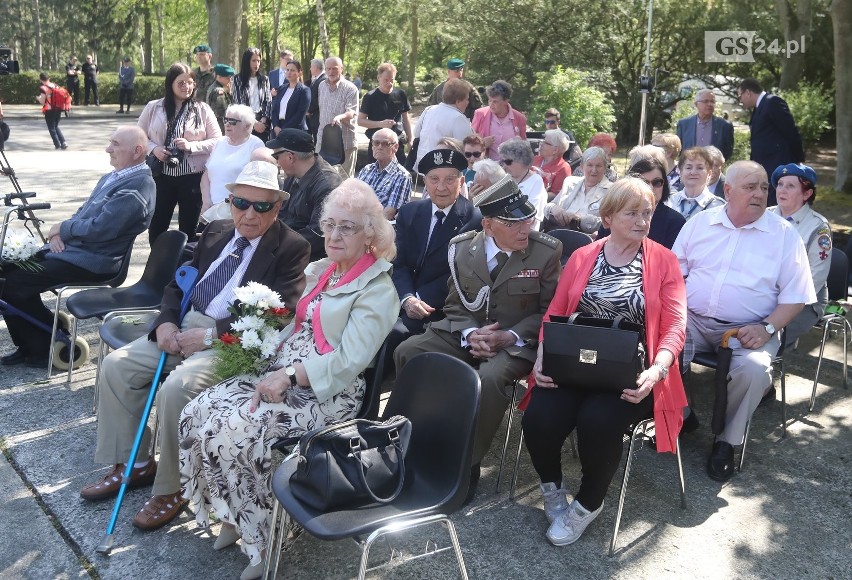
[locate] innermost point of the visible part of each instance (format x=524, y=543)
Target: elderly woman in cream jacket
x=348, y=308
x=577, y=207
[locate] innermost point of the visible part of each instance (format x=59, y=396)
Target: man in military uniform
x=502, y=280
x=795, y=187
x=455, y=70
x=72, y=79
x=204, y=76
x=218, y=96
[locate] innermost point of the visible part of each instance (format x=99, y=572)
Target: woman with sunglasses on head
x=578, y=207
x=348, y=308
x=473, y=149
x=251, y=87
x=516, y=157
x=227, y=159
x=291, y=101
x=181, y=134
x=549, y=162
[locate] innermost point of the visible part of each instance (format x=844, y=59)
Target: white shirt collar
x=719, y=215
x=759, y=99
x=446, y=210
x=491, y=249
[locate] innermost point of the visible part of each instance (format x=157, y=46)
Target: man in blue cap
x=218, y=96
x=502, y=280
x=455, y=70
x=795, y=187
x=204, y=76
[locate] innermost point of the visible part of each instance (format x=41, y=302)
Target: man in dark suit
x=255, y=246
x=502, y=280
x=420, y=269
x=705, y=128
x=775, y=139
x=277, y=77
x=317, y=76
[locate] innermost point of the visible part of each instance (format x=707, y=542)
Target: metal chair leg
x=72, y=348
x=846, y=326
x=53, y=332
x=101, y=354
x=825, y=330
x=517, y=467
x=680, y=475
x=783, y=401
x=273, y=547
x=509, y=420
x=745, y=442
x=624, y=480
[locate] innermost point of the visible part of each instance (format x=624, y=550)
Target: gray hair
x=595, y=153
x=335, y=60
x=385, y=132
x=715, y=154
x=241, y=112
x=499, y=89
x=360, y=201
x=702, y=92
x=642, y=152
x=318, y=64
x=451, y=143
x=741, y=168
x=558, y=138
x=488, y=170
x=517, y=149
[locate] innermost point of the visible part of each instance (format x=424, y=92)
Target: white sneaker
x=555, y=500
x=569, y=526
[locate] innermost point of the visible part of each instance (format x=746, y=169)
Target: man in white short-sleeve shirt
x=745, y=268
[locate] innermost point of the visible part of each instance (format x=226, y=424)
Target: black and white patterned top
x=615, y=291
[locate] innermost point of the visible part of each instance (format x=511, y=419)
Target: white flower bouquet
x=19, y=247
x=256, y=334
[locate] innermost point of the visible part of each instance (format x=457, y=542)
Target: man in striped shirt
x=389, y=179
x=338, y=105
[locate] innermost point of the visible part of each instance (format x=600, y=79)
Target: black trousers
x=22, y=289
x=185, y=193
x=601, y=419
x=125, y=98
x=73, y=86
x=91, y=86
x=52, y=118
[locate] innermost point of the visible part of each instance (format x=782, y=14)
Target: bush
x=811, y=106
x=584, y=110
x=682, y=110
x=21, y=89
x=742, y=147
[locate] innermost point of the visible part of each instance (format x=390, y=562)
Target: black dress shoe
x=690, y=423
x=36, y=362
x=720, y=465
x=15, y=358
x=475, y=473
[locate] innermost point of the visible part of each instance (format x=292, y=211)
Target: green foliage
x=742, y=147
x=22, y=89
x=681, y=111
x=811, y=106
x=583, y=108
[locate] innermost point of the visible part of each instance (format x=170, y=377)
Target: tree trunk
x=415, y=44
x=276, y=19
x=223, y=36
x=841, y=16
x=37, y=31
x=161, y=37
x=244, y=33
x=323, y=30
x=147, y=43
x=796, y=17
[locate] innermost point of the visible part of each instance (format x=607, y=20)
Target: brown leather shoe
x=111, y=483
x=158, y=511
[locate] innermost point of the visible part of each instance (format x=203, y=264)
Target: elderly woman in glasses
x=227, y=159
x=549, y=162
x=516, y=157
x=578, y=207
x=348, y=308
x=498, y=122
x=694, y=166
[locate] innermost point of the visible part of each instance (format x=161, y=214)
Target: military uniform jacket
x=219, y=100
x=517, y=299
x=816, y=234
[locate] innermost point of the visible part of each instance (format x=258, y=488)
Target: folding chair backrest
x=332, y=145
x=164, y=259
x=571, y=241
x=838, y=274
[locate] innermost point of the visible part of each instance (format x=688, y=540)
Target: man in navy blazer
x=705, y=128
x=775, y=140
x=421, y=270
x=277, y=76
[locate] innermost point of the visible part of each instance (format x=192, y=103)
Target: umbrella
x=723, y=365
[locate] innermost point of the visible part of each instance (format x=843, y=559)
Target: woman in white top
x=445, y=119
x=516, y=157
x=695, y=165
x=229, y=156
x=577, y=207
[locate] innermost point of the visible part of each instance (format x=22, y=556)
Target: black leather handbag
x=593, y=353
x=352, y=463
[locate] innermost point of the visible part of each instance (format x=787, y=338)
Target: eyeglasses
x=345, y=229
x=259, y=206
x=707, y=101
x=382, y=144
x=550, y=121
x=277, y=154
x=231, y=122
x=185, y=84
x=506, y=162
x=656, y=182
x=512, y=224
x=470, y=154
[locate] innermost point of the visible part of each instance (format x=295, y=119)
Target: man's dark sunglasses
x=470, y=154
x=259, y=206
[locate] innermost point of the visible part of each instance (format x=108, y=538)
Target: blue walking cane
x=185, y=278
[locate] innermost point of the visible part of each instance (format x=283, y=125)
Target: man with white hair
x=704, y=128
x=389, y=179
x=317, y=76
x=338, y=105
x=252, y=247
x=745, y=269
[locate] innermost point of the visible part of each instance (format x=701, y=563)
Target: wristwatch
x=208, y=338
x=768, y=327
x=290, y=371
x=664, y=371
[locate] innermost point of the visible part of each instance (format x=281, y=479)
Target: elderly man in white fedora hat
x=253, y=246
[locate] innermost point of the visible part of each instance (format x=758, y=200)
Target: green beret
x=224, y=70
x=455, y=64
x=201, y=48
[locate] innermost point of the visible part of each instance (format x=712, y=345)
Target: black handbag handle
x=616, y=322
x=355, y=446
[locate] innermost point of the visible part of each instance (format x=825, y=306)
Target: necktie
x=502, y=258
x=439, y=215
x=209, y=288
x=687, y=206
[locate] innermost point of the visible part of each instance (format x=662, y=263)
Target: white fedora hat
x=260, y=174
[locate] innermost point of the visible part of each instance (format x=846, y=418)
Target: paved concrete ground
x=785, y=516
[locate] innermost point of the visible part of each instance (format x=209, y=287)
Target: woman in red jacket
x=628, y=275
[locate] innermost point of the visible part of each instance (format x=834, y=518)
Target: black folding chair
x=838, y=274
x=571, y=241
